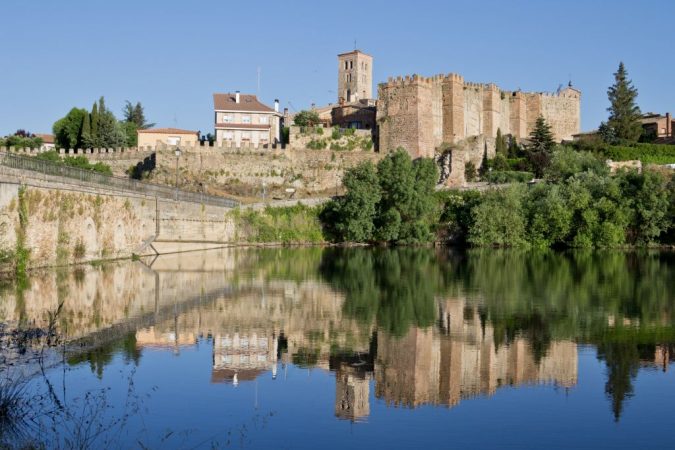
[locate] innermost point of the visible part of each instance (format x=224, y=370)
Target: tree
x=95, y=142
x=306, y=118
x=354, y=214
x=87, y=137
x=514, y=148
x=500, y=143
x=135, y=114
x=624, y=114
x=405, y=211
x=541, y=146
x=68, y=130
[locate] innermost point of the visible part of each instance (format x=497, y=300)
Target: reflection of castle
x=461, y=361
x=442, y=365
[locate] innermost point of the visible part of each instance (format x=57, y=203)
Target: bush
x=306, y=119
x=498, y=220
x=80, y=162
x=567, y=162
x=507, y=176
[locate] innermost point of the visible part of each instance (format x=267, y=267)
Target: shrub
x=498, y=219
x=507, y=176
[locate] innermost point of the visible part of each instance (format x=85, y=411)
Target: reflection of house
x=153, y=338
x=243, y=356
x=168, y=136
x=241, y=119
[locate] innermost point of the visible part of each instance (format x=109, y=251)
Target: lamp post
x=177, y=153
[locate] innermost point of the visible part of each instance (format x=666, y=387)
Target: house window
x=228, y=136
x=245, y=119
x=263, y=137
x=346, y=65
x=173, y=140
x=227, y=118
x=351, y=64
x=264, y=120
x=246, y=136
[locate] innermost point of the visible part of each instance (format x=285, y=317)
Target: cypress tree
x=500, y=143
x=94, y=140
x=86, y=132
x=624, y=114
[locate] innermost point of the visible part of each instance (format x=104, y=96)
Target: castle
x=420, y=113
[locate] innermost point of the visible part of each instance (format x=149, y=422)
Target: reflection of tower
x=351, y=395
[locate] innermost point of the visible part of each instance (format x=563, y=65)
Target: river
x=343, y=348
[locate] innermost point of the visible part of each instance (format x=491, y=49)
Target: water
x=335, y=348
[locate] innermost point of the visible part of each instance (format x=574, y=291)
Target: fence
x=127, y=184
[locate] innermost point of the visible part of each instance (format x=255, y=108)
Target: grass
x=287, y=225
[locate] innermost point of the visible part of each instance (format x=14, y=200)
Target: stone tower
x=355, y=76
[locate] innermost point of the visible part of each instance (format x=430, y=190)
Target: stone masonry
x=419, y=113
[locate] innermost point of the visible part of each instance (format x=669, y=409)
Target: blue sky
x=173, y=55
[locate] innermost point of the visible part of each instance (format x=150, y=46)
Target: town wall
x=419, y=114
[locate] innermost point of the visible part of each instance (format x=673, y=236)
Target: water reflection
x=408, y=327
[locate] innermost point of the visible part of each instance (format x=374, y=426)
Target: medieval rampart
x=420, y=113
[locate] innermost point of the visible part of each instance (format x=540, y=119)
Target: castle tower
x=355, y=76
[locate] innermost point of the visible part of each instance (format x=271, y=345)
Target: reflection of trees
x=100, y=356
x=542, y=297
x=396, y=288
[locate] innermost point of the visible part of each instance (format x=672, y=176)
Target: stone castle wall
x=419, y=114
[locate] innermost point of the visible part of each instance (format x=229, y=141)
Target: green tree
x=624, y=114
x=87, y=137
x=405, y=212
x=499, y=220
x=68, y=130
x=355, y=212
x=136, y=115
x=514, y=148
x=95, y=141
x=306, y=118
x=500, y=144
x=109, y=133
x=541, y=146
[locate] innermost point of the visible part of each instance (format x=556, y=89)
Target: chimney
x=669, y=126
x=236, y=97
x=276, y=105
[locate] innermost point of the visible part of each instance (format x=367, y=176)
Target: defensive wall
x=420, y=113
x=303, y=169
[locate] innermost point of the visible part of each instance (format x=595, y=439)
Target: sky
x=173, y=55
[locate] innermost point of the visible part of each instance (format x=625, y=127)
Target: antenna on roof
x=354, y=44
x=570, y=78
x=258, y=81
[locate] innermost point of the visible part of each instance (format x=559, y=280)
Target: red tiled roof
x=247, y=102
x=168, y=131
x=245, y=126
x=46, y=138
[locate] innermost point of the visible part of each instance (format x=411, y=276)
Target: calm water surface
x=345, y=348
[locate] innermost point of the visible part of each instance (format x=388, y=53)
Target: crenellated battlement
x=420, y=113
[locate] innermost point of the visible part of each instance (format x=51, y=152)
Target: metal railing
x=127, y=184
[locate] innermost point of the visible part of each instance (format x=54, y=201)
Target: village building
x=242, y=120
x=48, y=141
x=167, y=136
x=658, y=127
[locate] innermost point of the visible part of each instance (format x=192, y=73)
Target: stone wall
x=67, y=222
x=420, y=113
x=308, y=171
